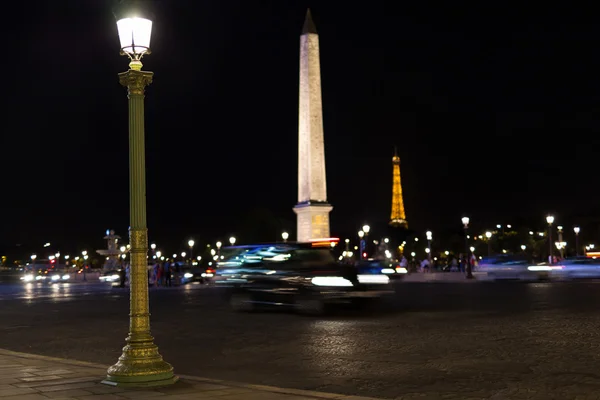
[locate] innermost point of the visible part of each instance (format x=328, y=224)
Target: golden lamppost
x=140, y=365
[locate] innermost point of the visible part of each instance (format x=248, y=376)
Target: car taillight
x=210, y=271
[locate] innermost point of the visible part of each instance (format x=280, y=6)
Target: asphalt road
x=461, y=340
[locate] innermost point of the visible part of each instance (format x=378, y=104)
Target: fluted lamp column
x=140, y=365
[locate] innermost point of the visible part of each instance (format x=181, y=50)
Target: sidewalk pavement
x=32, y=377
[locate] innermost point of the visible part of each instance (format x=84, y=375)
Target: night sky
x=494, y=111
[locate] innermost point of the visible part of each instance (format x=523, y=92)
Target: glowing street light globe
x=219, y=244
x=191, y=243
x=550, y=219
x=465, y=221
x=488, y=234
x=366, y=229
x=134, y=24
x=153, y=246
x=429, y=235
x=232, y=240
x=285, y=235
x=361, y=234
x=576, y=230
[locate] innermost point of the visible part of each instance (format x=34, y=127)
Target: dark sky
x=494, y=109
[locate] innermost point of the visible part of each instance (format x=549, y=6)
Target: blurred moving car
x=46, y=274
x=112, y=276
x=509, y=266
x=196, y=274
x=575, y=268
x=302, y=276
x=392, y=269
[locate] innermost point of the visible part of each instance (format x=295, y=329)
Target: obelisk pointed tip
x=309, y=24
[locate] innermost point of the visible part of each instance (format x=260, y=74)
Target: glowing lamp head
x=576, y=230
x=134, y=25
x=488, y=234
x=191, y=243
x=361, y=234
x=219, y=244
x=429, y=235
x=33, y=257
x=523, y=247
x=550, y=219
x=285, y=235
x=153, y=246
x=465, y=221
x=232, y=240
x=366, y=229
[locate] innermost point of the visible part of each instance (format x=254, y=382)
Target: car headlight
x=55, y=277
x=330, y=281
x=114, y=277
x=65, y=277
x=387, y=270
x=401, y=270
x=27, y=278
x=187, y=275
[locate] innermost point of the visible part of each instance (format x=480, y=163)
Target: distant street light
x=576, y=229
x=285, y=236
x=232, y=240
x=523, y=247
x=361, y=235
x=465, y=221
x=191, y=245
x=488, y=235
x=219, y=244
x=560, y=239
x=429, y=237
x=550, y=221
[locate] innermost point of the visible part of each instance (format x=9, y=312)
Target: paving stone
x=41, y=378
x=8, y=390
x=26, y=397
x=69, y=386
x=102, y=397
x=61, y=394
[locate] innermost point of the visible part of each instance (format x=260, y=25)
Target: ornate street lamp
x=140, y=365
x=285, y=236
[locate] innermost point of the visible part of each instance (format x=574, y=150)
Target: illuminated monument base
x=313, y=220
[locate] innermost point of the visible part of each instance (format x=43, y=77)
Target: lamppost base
x=140, y=365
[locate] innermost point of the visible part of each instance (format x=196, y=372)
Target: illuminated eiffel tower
x=398, y=216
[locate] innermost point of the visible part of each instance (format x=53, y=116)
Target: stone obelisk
x=312, y=209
